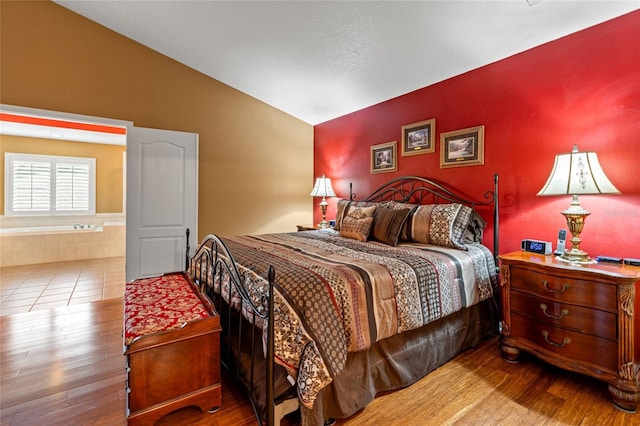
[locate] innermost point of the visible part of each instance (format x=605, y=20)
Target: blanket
x=335, y=295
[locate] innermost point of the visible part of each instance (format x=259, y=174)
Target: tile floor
x=29, y=288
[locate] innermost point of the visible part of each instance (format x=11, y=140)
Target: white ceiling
x=318, y=60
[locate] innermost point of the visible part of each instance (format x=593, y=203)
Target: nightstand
x=306, y=227
x=580, y=318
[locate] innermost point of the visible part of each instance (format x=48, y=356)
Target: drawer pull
x=564, y=343
x=563, y=313
x=565, y=287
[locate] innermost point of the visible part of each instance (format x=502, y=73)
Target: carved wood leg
x=624, y=401
x=509, y=353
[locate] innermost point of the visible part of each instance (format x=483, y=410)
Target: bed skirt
x=390, y=364
x=400, y=361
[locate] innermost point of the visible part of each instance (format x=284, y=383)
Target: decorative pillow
x=387, y=224
x=448, y=225
x=405, y=233
x=475, y=229
x=441, y=224
x=343, y=205
x=357, y=223
x=420, y=222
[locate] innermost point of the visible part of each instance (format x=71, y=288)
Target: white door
x=162, y=200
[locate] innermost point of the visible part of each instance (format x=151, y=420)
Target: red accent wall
x=582, y=89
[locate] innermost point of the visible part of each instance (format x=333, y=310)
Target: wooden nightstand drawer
x=577, y=346
x=565, y=289
x=579, y=318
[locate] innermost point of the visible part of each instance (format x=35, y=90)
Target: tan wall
x=109, y=170
x=256, y=162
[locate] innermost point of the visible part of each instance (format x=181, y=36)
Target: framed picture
x=384, y=157
x=419, y=138
x=462, y=147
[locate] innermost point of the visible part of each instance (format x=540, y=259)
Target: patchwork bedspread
x=335, y=295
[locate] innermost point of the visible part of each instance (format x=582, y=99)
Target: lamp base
x=575, y=216
x=575, y=257
x=323, y=206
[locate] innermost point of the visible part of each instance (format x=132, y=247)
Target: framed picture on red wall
x=462, y=147
x=384, y=157
x=419, y=138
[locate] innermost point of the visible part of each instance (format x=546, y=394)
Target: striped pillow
x=405, y=233
x=442, y=225
x=388, y=224
x=343, y=206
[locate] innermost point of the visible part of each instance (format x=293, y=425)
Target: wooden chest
x=170, y=368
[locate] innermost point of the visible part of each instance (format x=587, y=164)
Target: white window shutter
x=72, y=187
x=49, y=185
x=31, y=186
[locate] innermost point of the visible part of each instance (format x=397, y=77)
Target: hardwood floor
x=64, y=366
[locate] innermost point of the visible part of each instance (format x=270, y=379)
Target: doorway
x=49, y=261
x=60, y=126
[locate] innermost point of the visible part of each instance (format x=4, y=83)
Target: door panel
x=162, y=173
x=162, y=189
x=156, y=253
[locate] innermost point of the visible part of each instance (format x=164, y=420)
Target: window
x=49, y=185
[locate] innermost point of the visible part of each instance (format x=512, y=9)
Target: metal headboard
x=421, y=190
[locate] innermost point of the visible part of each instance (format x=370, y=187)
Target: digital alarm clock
x=536, y=246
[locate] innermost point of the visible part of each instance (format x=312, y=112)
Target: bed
x=324, y=320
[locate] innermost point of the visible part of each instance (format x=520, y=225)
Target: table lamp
x=575, y=174
x=323, y=188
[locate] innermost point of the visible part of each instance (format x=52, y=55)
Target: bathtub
x=60, y=243
x=51, y=229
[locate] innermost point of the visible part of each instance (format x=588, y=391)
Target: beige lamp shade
x=323, y=188
x=577, y=173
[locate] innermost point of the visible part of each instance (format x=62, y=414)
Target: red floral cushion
x=158, y=304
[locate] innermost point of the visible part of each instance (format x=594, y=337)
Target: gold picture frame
x=419, y=138
x=463, y=147
x=384, y=157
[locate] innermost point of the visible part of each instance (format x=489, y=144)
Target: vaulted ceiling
x=318, y=60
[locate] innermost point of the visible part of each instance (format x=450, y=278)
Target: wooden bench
x=172, y=348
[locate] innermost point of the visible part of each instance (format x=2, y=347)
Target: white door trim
x=14, y=109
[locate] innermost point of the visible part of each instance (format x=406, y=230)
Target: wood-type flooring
x=64, y=366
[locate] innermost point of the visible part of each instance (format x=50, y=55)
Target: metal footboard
x=211, y=267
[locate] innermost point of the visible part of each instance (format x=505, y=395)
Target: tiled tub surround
x=52, y=229
x=34, y=240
